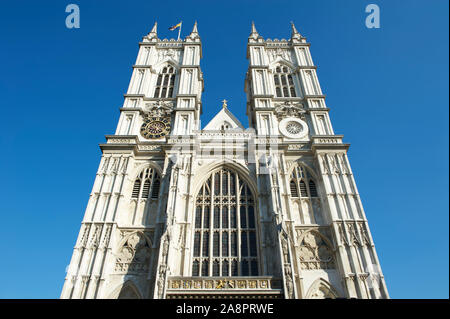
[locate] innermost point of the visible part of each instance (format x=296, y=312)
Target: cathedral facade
x=180, y=211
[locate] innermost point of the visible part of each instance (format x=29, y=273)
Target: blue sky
x=61, y=91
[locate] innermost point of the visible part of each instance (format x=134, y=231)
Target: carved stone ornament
x=289, y=109
x=227, y=283
x=289, y=282
x=315, y=252
x=287, y=265
x=165, y=54
x=84, y=237
x=161, y=280
x=157, y=120
x=159, y=108
x=321, y=289
x=276, y=53
x=134, y=254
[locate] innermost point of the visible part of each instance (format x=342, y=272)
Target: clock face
x=155, y=127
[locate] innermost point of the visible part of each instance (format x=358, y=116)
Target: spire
x=254, y=34
x=253, y=27
x=155, y=27
x=153, y=33
x=194, y=29
x=194, y=33
x=295, y=34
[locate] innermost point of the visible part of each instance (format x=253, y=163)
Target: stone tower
x=178, y=211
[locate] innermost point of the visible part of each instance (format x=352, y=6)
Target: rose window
x=294, y=127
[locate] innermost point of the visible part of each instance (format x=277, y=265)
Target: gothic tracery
x=314, y=252
x=134, y=254
x=225, y=227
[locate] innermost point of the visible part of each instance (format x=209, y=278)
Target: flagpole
x=179, y=31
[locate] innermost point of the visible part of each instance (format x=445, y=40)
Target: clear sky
x=61, y=89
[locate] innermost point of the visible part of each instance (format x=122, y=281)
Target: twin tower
x=181, y=211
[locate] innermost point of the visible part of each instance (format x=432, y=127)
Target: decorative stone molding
x=270, y=141
x=168, y=54
x=297, y=147
x=334, y=139
x=106, y=236
x=134, y=253
x=364, y=233
x=277, y=43
x=223, y=283
x=149, y=147
x=289, y=280
x=159, y=108
x=277, y=53
x=95, y=237
x=354, y=233
x=122, y=141
x=321, y=289
x=85, y=236
x=315, y=250
x=227, y=134
x=289, y=109
x=116, y=139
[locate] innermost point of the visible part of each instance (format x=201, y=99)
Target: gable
x=224, y=120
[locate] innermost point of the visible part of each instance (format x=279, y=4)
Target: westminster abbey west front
x=181, y=211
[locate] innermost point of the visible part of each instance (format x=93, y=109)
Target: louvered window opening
x=165, y=83
x=284, y=82
x=301, y=184
x=146, y=185
x=225, y=240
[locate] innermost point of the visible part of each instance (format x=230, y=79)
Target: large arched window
x=284, y=82
x=301, y=183
x=147, y=184
x=165, y=83
x=225, y=227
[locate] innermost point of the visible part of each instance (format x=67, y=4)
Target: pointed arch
x=224, y=240
x=321, y=289
x=165, y=80
x=294, y=189
x=133, y=253
x=226, y=125
x=308, y=168
x=280, y=62
x=283, y=77
x=316, y=233
x=305, y=180
x=147, y=183
x=205, y=170
x=127, y=290
x=141, y=234
x=315, y=251
x=143, y=166
x=166, y=62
